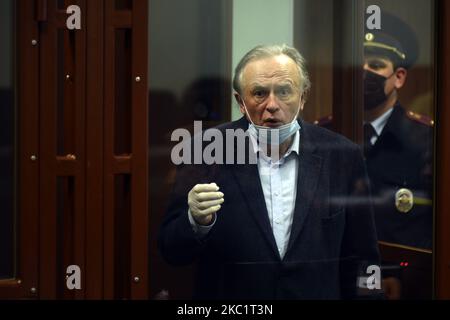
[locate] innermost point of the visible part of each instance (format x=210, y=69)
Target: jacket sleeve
x=177, y=241
x=359, y=246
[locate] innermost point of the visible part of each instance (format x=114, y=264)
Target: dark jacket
x=332, y=238
x=402, y=158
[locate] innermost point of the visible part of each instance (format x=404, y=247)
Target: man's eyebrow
x=257, y=85
x=284, y=83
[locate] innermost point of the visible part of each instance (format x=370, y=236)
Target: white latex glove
x=204, y=201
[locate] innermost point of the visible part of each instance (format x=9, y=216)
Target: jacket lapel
x=247, y=176
x=308, y=176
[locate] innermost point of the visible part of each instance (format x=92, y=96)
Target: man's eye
x=259, y=93
x=284, y=92
x=376, y=65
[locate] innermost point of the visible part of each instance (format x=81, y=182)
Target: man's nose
x=272, y=103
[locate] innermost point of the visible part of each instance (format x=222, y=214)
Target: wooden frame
x=442, y=152
x=94, y=151
x=80, y=234
x=27, y=230
x=135, y=164
x=62, y=230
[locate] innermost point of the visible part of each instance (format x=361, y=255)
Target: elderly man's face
x=271, y=91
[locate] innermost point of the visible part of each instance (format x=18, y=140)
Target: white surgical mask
x=273, y=136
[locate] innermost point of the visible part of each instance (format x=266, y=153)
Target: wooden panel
x=47, y=106
x=94, y=150
x=70, y=126
x=139, y=184
x=125, y=67
x=442, y=171
x=414, y=269
x=62, y=113
x=108, y=149
x=28, y=69
x=79, y=226
x=28, y=196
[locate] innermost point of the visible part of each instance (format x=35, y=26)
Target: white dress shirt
x=379, y=123
x=279, y=185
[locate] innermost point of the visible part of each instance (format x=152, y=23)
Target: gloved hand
x=204, y=201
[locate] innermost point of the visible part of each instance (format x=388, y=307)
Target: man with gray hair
x=298, y=224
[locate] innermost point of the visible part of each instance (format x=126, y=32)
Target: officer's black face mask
x=374, y=89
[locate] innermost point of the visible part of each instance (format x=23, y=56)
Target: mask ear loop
x=246, y=111
x=300, y=107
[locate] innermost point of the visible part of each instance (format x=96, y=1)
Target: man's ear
x=400, y=77
x=238, y=99
x=303, y=101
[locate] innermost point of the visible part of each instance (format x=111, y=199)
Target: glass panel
x=399, y=108
x=190, y=79
x=323, y=199
x=7, y=139
x=317, y=48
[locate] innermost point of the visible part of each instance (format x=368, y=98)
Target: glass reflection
x=398, y=142
x=196, y=86
x=189, y=79
x=398, y=82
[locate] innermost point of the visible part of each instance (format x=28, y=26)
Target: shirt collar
x=379, y=123
x=295, y=145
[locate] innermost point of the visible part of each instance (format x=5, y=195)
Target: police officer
x=398, y=143
x=398, y=147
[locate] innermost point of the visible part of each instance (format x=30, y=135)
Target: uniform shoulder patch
x=420, y=118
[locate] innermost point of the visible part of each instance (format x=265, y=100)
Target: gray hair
x=267, y=51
